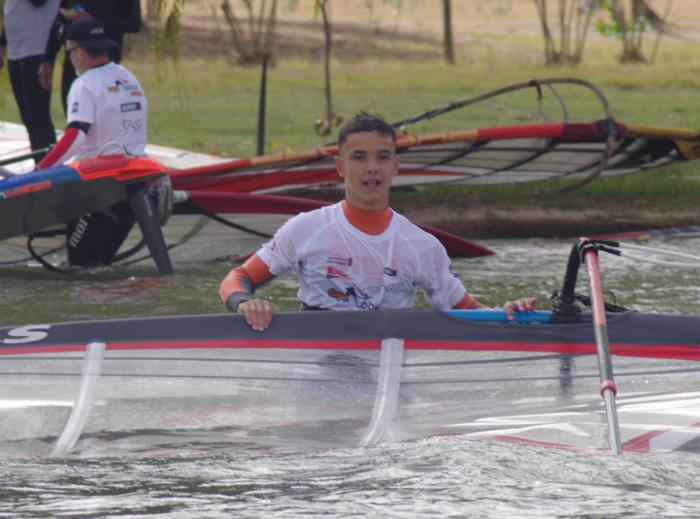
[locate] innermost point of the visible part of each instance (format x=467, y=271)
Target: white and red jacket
x=107, y=115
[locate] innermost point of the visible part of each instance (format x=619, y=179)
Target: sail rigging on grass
x=565, y=149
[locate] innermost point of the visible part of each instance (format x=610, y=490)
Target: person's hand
x=257, y=313
x=71, y=15
x=524, y=304
x=45, y=73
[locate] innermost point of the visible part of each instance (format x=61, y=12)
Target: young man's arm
x=468, y=302
x=447, y=281
x=238, y=287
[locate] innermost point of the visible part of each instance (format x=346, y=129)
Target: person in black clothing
x=116, y=16
x=26, y=27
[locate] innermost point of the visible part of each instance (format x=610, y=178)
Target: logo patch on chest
x=336, y=260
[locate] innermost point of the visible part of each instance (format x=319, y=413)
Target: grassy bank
x=212, y=106
x=204, y=102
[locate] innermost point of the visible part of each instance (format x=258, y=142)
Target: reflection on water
x=274, y=477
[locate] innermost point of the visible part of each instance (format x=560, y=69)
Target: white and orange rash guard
x=351, y=259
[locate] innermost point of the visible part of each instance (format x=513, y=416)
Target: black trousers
x=93, y=240
x=34, y=102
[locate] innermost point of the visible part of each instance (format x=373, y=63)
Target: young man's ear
x=339, y=166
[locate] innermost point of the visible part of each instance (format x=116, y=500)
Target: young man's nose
x=373, y=165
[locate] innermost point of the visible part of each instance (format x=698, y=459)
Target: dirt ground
x=538, y=222
x=383, y=29
x=480, y=219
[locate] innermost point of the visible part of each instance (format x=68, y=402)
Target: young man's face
x=367, y=161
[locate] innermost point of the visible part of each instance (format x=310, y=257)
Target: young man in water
x=357, y=254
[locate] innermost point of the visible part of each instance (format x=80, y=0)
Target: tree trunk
x=447, y=25
x=327, y=61
x=151, y=8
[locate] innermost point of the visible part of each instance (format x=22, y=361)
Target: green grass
x=212, y=106
x=676, y=186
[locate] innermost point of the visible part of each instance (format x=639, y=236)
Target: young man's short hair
x=366, y=122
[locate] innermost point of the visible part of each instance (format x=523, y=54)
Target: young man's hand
x=524, y=304
x=257, y=313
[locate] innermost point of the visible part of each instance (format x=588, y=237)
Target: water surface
x=436, y=477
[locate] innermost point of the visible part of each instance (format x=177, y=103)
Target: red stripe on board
x=520, y=131
x=664, y=351
x=642, y=443
x=256, y=181
x=23, y=350
x=207, y=344
x=247, y=182
x=223, y=202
